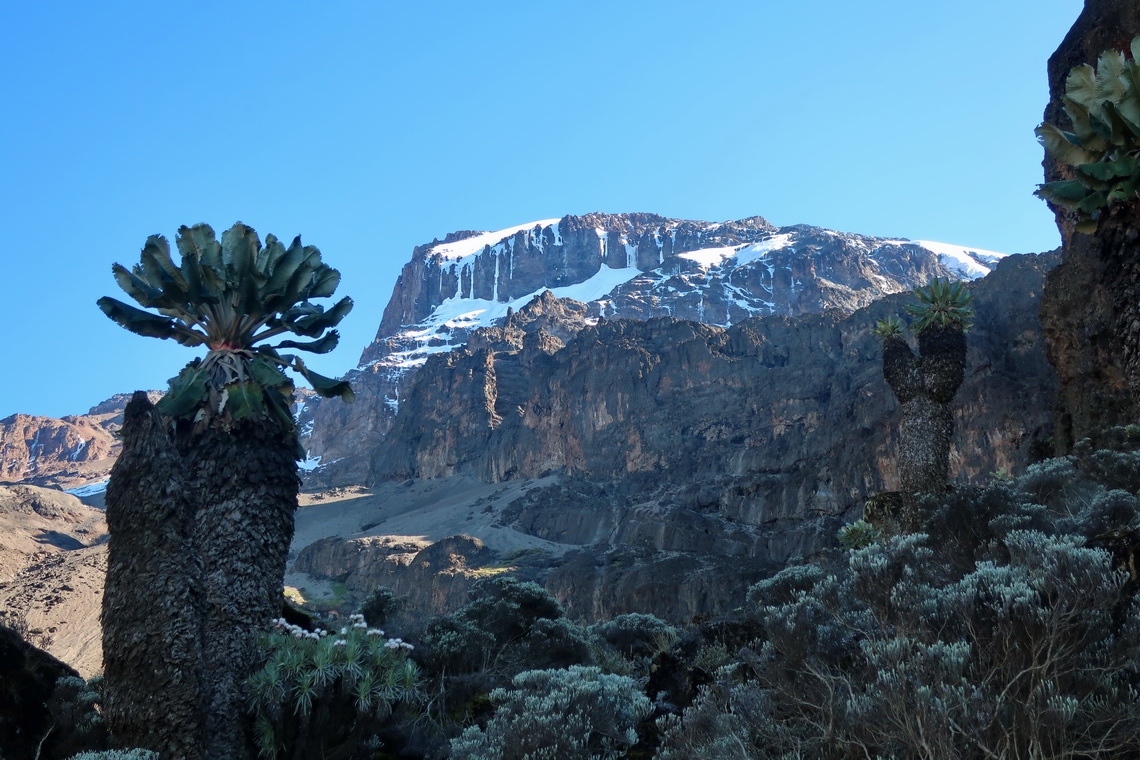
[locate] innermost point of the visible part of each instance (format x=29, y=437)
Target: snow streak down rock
x=635, y=266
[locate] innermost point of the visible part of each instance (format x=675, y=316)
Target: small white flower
x=340, y=643
x=343, y=631
x=375, y=632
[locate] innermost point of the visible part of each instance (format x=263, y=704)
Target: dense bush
x=506, y=625
x=118, y=754
x=75, y=706
x=381, y=604
x=579, y=713
x=636, y=635
x=1001, y=632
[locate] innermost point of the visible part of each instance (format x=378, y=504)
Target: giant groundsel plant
x=233, y=296
x=1103, y=149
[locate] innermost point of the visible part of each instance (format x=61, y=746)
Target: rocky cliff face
x=686, y=402
x=1082, y=312
x=633, y=266
x=664, y=410
x=64, y=453
x=683, y=461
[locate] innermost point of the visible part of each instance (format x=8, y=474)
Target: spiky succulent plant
x=233, y=296
x=891, y=327
x=1103, y=149
x=941, y=303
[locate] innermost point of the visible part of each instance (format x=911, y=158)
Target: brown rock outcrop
x=38, y=522
x=72, y=451
x=432, y=578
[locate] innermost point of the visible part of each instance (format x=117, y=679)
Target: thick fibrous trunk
x=200, y=529
x=925, y=432
x=943, y=363
x=151, y=607
x=924, y=387
x=244, y=482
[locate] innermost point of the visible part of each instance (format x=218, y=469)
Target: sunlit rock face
x=619, y=266
x=76, y=451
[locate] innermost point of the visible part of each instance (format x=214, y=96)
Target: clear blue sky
x=371, y=127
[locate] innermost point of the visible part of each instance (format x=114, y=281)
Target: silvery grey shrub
x=579, y=713
x=1002, y=632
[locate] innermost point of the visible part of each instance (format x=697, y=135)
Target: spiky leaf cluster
x=942, y=303
x=891, y=327
x=232, y=296
x=1103, y=149
x=328, y=688
x=858, y=535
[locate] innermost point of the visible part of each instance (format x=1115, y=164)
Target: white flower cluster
x=281, y=625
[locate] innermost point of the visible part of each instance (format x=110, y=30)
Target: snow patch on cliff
x=970, y=263
x=88, y=490
x=448, y=325
x=463, y=248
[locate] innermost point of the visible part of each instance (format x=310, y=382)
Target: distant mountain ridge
x=635, y=266
x=64, y=453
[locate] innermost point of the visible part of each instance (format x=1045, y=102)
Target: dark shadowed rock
x=28, y=676
x=1083, y=310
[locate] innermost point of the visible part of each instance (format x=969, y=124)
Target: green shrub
x=575, y=714
x=117, y=754
x=636, y=635
x=507, y=608
x=323, y=693
x=380, y=605
x=76, y=709
x=858, y=535
x=1002, y=633
x=496, y=628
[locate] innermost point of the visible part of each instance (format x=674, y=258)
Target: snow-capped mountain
x=622, y=266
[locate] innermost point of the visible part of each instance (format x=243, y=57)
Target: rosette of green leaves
x=233, y=296
x=942, y=303
x=1103, y=149
x=891, y=327
x=858, y=535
